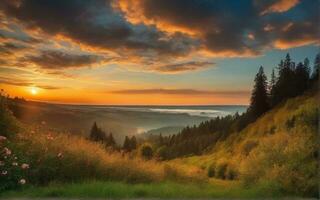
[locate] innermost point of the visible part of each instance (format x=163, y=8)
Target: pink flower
x=49, y=137
x=22, y=181
x=7, y=151
x=4, y=172
x=2, y=138
x=25, y=166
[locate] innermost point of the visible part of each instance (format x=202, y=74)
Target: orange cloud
x=280, y=6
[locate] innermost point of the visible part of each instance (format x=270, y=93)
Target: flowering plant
x=13, y=169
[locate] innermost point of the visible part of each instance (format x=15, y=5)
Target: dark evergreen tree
x=133, y=143
x=272, y=88
x=301, y=81
x=259, y=97
x=316, y=68
x=96, y=134
x=110, y=142
x=126, y=144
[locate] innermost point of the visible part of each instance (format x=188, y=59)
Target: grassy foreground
x=97, y=189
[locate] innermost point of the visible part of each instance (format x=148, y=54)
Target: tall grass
x=278, y=151
x=64, y=158
x=98, y=189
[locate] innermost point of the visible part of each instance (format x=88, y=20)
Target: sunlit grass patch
x=214, y=189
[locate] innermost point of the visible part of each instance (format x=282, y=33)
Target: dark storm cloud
x=93, y=23
x=227, y=27
x=179, y=92
x=149, y=32
x=61, y=60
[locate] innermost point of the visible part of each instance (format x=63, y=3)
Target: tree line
x=98, y=135
x=292, y=79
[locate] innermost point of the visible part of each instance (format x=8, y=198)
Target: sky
x=149, y=52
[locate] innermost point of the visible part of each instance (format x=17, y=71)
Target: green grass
x=95, y=189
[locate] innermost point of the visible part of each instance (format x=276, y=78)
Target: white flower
x=4, y=172
x=22, y=181
x=14, y=164
x=60, y=155
x=25, y=166
x=7, y=151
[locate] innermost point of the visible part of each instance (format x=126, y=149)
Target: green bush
x=211, y=170
x=286, y=160
x=162, y=153
x=220, y=170
x=13, y=167
x=231, y=173
x=146, y=151
x=8, y=124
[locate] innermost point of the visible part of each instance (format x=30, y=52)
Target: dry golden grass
x=65, y=157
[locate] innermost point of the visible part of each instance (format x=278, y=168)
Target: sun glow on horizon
x=34, y=90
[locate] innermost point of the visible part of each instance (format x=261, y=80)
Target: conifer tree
x=133, y=143
x=272, y=88
x=316, y=68
x=259, y=96
x=110, y=141
x=126, y=144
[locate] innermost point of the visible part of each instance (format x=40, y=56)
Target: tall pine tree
x=259, y=97
x=272, y=88
x=96, y=134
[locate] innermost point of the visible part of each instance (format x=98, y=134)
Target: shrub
x=211, y=170
x=8, y=124
x=220, y=170
x=248, y=146
x=146, y=151
x=231, y=173
x=13, y=168
x=286, y=160
x=162, y=153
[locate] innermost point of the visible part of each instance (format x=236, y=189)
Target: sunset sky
x=138, y=52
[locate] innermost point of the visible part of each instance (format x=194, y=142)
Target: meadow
x=282, y=143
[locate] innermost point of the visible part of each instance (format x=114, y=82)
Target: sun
x=34, y=90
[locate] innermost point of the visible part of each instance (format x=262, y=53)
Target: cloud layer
x=167, y=36
x=179, y=92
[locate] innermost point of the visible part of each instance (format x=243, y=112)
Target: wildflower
x=7, y=151
x=15, y=157
x=22, y=181
x=2, y=138
x=4, y=172
x=49, y=137
x=14, y=164
x=1, y=163
x=60, y=155
x=25, y=166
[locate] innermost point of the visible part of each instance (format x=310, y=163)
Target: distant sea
x=201, y=111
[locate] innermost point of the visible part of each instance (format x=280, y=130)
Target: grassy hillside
x=279, y=150
x=276, y=155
